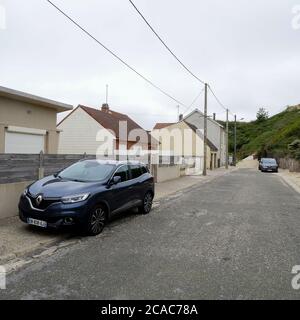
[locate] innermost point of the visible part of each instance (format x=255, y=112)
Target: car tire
x=145, y=208
x=96, y=220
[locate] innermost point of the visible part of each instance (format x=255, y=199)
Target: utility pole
x=227, y=130
x=205, y=130
x=234, y=160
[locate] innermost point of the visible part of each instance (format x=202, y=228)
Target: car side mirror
x=116, y=179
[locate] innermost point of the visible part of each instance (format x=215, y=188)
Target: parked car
x=87, y=194
x=268, y=164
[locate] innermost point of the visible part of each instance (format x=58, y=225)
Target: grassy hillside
x=269, y=137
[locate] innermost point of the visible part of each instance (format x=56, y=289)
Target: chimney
x=214, y=116
x=180, y=117
x=105, y=107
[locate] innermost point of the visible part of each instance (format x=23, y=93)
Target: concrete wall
x=167, y=173
x=23, y=114
x=9, y=198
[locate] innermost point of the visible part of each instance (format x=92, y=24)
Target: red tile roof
x=110, y=120
x=159, y=126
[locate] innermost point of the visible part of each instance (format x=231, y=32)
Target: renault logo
x=39, y=199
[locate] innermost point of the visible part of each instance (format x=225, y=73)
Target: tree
x=262, y=114
x=294, y=149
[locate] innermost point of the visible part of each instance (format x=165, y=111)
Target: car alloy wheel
x=97, y=220
x=147, y=204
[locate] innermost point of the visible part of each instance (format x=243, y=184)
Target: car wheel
x=147, y=203
x=96, y=220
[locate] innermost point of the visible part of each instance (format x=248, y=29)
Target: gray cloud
x=247, y=50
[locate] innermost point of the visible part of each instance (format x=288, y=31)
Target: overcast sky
x=246, y=49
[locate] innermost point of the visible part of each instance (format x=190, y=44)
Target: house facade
x=178, y=140
x=216, y=134
x=185, y=142
x=93, y=131
x=28, y=122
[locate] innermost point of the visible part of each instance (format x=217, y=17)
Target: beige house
x=27, y=126
x=185, y=142
x=28, y=122
x=216, y=137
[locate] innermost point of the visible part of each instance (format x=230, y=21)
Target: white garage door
x=16, y=142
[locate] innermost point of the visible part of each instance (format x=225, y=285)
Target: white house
x=216, y=134
x=82, y=131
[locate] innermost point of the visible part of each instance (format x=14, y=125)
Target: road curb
x=293, y=185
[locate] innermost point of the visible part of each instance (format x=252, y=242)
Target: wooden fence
x=291, y=164
x=27, y=167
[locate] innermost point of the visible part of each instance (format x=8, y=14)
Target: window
x=135, y=171
x=123, y=173
x=144, y=169
x=87, y=171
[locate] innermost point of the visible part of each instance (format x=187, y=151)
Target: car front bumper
x=56, y=215
x=271, y=169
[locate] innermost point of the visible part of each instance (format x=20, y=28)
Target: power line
x=173, y=54
x=165, y=45
x=198, y=95
x=115, y=55
x=217, y=99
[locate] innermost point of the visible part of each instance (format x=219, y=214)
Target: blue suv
x=87, y=194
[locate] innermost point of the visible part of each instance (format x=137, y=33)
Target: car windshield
x=87, y=171
x=269, y=161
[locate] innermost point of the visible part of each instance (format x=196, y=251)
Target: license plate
x=35, y=222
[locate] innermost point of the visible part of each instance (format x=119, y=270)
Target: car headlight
x=25, y=192
x=75, y=198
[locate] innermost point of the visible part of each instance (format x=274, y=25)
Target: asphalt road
x=237, y=237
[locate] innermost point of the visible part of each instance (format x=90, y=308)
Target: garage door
x=16, y=142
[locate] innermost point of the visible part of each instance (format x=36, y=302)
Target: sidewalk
x=18, y=239
x=164, y=189
x=292, y=178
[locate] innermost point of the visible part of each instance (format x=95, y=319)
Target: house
x=184, y=142
x=211, y=151
x=160, y=125
x=28, y=122
x=178, y=140
x=216, y=135
x=84, y=130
